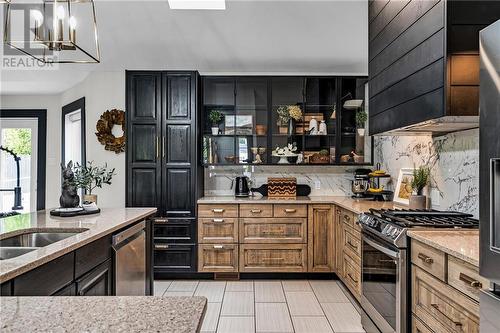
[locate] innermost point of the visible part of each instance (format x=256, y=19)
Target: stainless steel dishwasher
x=130, y=261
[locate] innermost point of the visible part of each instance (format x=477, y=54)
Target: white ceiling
x=249, y=37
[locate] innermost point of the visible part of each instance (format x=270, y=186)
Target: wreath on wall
x=104, y=132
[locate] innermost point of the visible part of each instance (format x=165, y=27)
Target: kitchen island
x=69, y=252
x=102, y=314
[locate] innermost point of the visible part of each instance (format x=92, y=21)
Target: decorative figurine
x=69, y=197
x=300, y=158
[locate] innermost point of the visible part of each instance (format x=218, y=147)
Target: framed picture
x=403, y=186
x=239, y=125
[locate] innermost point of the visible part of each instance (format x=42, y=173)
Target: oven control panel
x=380, y=227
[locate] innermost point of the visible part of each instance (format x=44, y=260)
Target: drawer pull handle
x=161, y=221
x=256, y=211
x=473, y=283
x=270, y=259
x=353, y=279
x=161, y=246
x=347, y=218
x=456, y=323
x=218, y=210
x=218, y=220
x=426, y=259
x=218, y=247
x=388, y=261
x=290, y=210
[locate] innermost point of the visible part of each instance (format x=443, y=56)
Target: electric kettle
x=241, y=188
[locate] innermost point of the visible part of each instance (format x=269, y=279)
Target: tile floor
x=270, y=306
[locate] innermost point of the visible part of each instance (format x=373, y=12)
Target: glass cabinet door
x=354, y=145
x=320, y=121
x=251, y=120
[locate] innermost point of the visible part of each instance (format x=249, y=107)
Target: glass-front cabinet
x=292, y=120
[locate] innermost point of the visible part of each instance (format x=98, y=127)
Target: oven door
x=384, y=290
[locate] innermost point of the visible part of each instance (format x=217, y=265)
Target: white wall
x=102, y=91
x=53, y=105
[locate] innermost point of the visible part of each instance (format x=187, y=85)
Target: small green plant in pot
x=89, y=177
x=361, y=117
x=421, y=178
x=215, y=117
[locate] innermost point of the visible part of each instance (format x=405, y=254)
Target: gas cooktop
x=391, y=224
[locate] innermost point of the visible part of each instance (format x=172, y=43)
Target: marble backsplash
x=453, y=158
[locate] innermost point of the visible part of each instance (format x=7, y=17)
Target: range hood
x=438, y=126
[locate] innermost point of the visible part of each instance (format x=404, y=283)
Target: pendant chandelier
x=53, y=31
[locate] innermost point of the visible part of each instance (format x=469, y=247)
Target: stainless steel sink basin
x=12, y=252
x=35, y=239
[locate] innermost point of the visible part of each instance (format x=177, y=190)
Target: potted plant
x=283, y=119
x=361, y=117
x=88, y=177
x=215, y=117
x=421, y=177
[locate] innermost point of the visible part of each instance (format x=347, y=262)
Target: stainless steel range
x=385, y=268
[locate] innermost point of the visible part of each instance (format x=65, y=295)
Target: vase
x=322, y=128
x=418, y=202
x=215, y=130
x=291, y=126
x=90, y=198
x=313, y=126
x=361, y=131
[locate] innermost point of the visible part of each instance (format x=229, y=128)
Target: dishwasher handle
x=125, y=235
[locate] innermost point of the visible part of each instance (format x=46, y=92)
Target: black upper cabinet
x=162, y=141
x=250, y=130
x=424, y=60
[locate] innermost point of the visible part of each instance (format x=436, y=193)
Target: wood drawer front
x=351, y=242
x=293, y=230
x=218, y=258
x=441, y=307
x=429, y=259
x=465, y=277
x=352, y=275
x=418, y=327
x=218, y=230
x=290, y=210
x=273, y=258
x=218, y=210
x=263, y=210
x=349, y=218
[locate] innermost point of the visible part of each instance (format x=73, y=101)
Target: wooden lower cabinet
x=441, y=307
x=218, y=258
x=217, y=230
x=273, y=258
x=418, y=327
x=339, y=243
x=321, y=241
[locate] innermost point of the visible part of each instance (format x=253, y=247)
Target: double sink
x=30, y=241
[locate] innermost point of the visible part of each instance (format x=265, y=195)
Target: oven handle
x=381, y=248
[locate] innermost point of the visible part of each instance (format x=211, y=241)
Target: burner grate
x=426, y=218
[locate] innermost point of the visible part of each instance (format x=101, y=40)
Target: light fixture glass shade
x=47, y=30
x=353, y=104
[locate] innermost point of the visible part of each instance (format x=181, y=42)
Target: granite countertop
x=90, y=228
x=462, y=244
x=356, y=205
x=102, y=314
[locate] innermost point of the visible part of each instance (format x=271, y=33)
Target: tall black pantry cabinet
x=163, y=168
